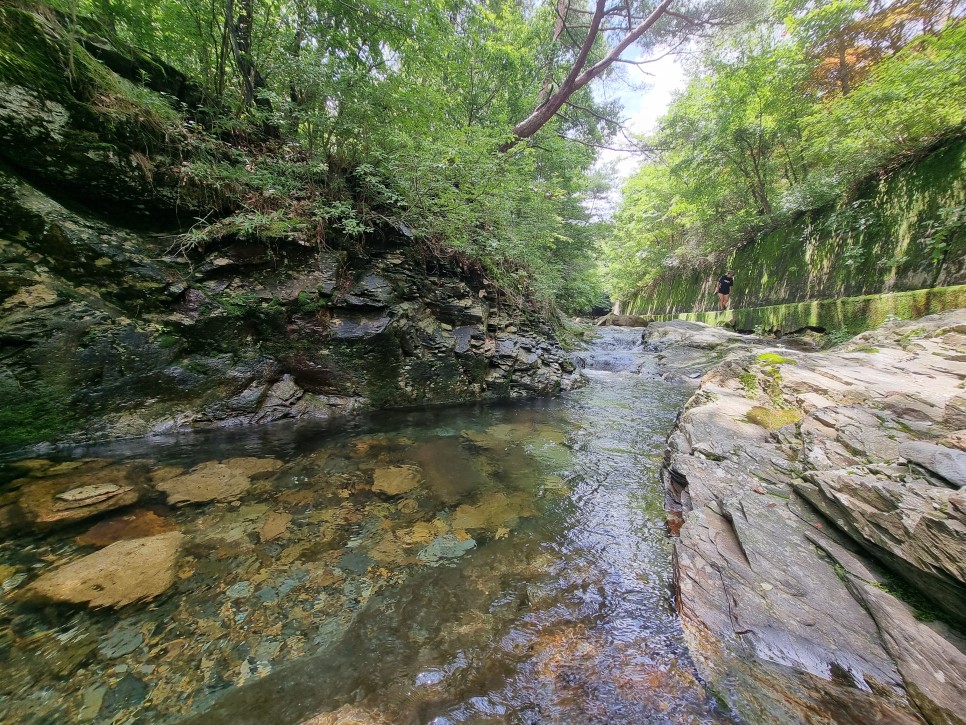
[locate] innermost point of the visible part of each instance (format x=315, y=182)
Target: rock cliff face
x=107, y=334
x=108, y=331
x=819, y=566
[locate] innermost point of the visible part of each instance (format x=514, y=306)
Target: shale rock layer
x=819, y=566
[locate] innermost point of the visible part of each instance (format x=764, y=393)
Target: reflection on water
x=472, y=565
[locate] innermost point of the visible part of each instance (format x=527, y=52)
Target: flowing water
x=501, y=564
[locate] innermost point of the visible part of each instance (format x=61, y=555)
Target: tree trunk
x=578, y=77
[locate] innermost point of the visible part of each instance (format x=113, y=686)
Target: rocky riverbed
x=821, y=523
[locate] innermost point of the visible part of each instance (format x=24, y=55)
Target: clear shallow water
x=524, y=579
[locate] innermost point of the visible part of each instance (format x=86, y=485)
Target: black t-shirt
x=724, y=284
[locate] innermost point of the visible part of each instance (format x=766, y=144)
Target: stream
x=474, y=564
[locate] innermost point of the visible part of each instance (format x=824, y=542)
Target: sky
x=642, y=109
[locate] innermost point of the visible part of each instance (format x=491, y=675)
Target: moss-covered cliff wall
x=904, y=231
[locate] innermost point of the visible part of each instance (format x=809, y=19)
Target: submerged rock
x=60, y=499
x=494, y=512
x=274, y=525
x=133, y=524
x=445, y=548
x=348, y=715
x=214, y=481
x=396, y=480
x=120, y=574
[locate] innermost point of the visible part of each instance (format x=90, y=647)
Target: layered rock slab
x=780, y=627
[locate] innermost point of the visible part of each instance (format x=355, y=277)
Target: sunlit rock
x=784, y=530
x=120, y=574
x=947, y=463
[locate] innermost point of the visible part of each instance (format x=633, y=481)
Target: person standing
x=724, y=289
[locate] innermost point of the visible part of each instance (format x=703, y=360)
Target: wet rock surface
x=809, y=552
x=147, y=343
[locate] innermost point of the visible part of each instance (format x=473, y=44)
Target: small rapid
x=618, y=350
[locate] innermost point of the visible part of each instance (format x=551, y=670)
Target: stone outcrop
x=112, y=331
x=686, y=350
x=808, y=552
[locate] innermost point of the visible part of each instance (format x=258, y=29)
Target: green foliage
x=772, y=125
x=837, y=337
x=31, y=415
x=324, y=123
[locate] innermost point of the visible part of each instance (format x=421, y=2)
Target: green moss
x=775, y=359
x=853, y=314
x=750, y=383
x=29, y=57
x=923, y=609
x=309, y=305
x=35, y=415
x=238, y=304
x=773, y=419
x=772, y=383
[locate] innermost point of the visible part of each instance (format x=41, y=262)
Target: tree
x=848, y=37
x=597, y=37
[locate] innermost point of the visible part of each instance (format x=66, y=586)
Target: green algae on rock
x=853, y=314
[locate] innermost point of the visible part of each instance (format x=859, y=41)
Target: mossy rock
x=771, y=358
x=75, y=128
x=772, y=418
x=895, y=235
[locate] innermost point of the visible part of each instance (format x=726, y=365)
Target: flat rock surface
x=214, y=481
x=122, y=573
x=396, y=480
x=784, y=603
